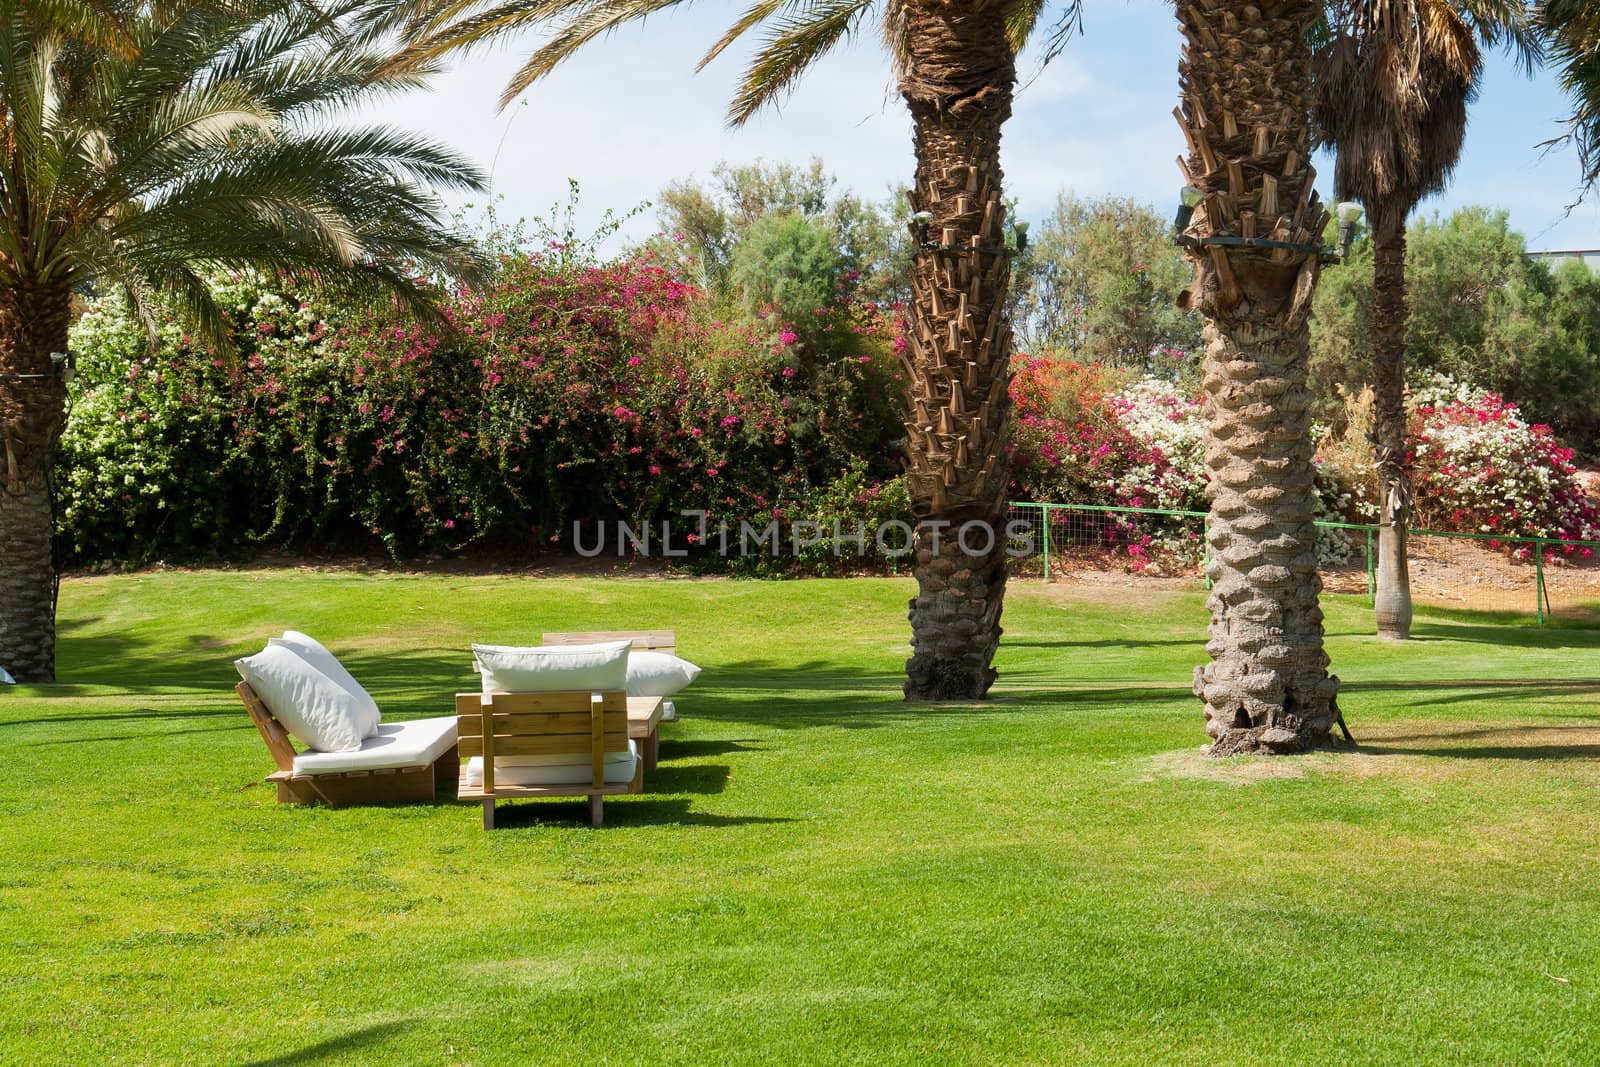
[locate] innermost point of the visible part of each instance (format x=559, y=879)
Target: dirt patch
x=1445, y=572
x=1408, y=747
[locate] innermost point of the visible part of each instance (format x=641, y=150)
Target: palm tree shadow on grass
x=335, y=1047
x=1469, y=691
x=770, y=693
x=1553, y=743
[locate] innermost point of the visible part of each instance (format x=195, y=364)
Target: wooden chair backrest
x=647, y=640
x=267, y=724
x=542, y=724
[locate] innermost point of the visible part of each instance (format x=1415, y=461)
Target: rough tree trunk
x=958, y=80
x=33, y=324
x=1245, y=83
x=1393, y=596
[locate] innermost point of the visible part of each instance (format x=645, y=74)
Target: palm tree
x=1245, y=79
x=154, y=145
x=955, y=63
x=1393, y=81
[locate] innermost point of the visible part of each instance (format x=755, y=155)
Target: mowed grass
x=818, y=873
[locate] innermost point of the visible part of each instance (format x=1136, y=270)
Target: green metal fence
x=1526, y=575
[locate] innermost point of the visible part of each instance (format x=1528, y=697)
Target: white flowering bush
x=1172, y=427
x=145, y=464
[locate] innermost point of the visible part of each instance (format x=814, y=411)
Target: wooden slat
x=513, y=792
x=267, y=725
x=532, y=703
x=597, y=739
x=481, y=744
x=652, y=640
x=541, y=722
x=542, y=745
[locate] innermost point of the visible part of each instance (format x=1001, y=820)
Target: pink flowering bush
x=1479, y=467
x=568, y=391
x=1066, y=443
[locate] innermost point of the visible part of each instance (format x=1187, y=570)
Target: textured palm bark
x=1245, y=85
x=1392, y=598
x=957, y=79
x=33, y=324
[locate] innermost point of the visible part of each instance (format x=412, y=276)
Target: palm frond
x=793, y=45
x=98, y=23
x=586, y=22
x=188, y=152
x=1067, y=26
x=757, y=13
x=1393, y=81
x=1572, y=30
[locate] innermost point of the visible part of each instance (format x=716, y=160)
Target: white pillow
x=312, y=651
x=312, y=706
x=658, y=674
x=553, y=668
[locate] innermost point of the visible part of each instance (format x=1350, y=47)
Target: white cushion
x=554, y=668
x=311, y=706
x=555, y=770
x=416, y=743
x=312, y=651
x=658, y=674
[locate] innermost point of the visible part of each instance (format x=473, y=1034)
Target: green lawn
x=818, y=873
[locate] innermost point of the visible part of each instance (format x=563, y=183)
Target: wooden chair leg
x=488, y=813
x=596, y=810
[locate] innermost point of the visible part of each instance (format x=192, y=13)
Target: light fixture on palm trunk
x=1188, y=199
x=1348, y=213
x=63, y=365
x=922, y=225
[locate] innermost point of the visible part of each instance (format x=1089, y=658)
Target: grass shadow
x=354, y=1041
x=705, y=778
x=1547, y=742
x=673, y=750
x=620, y=812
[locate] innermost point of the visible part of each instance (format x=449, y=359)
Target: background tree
x=1481, y=312
x=198, y=141
x=704, y=224
x=1393, y=82
x=955, y=65
x=1102, y=285
x=1245, y=77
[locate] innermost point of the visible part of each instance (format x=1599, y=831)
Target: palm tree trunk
x=957, y=77
x=33, y=324
x=1245, y=77
x=1393, y=596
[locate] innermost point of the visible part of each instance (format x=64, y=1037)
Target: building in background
x=1589, y=257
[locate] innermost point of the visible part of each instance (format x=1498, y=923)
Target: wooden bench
x=644, y=640
x=577, y=724
x=337, y=788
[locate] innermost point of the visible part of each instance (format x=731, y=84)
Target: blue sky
x=630, y=115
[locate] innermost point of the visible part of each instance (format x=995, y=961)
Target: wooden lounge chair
x=404, y=762
x=591, y=729
x=643, y=640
